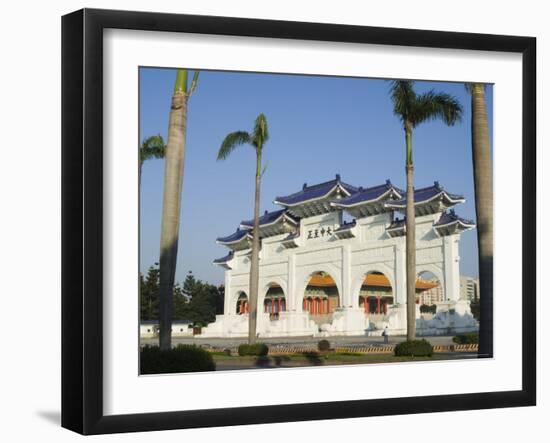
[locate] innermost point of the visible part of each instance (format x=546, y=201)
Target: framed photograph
x=269, y=221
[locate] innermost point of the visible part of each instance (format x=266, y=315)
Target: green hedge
x=414, y=348
x=428, y=309
x=183, y=358
x=467, y=339
x=323, y=345
x=257, y=349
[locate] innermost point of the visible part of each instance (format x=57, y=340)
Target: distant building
x=432, y=295
x=469, y=288
x=180, y=328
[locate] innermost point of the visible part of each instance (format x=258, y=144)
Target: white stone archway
x=359, y=276
x=265, y=285
x=304, y=278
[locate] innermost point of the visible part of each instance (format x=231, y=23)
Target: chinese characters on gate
x=323, y=231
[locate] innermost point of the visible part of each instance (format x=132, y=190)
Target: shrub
x=428, y=309
x=323, y=345
x=467, y=339
x=183, y=358
x=257, y=349
x=414, y=348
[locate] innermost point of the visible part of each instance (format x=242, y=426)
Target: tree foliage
x=152, y=147
x=474, y=307
x=149, y=294
x=194, y=300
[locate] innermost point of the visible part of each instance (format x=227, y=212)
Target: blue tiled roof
x=266, y=218
x=314, y=191
x=450, y=217
x=368, y=194
x=424, y=194
x=224, y=259
x=236, y=236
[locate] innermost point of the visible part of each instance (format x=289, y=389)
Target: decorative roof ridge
x=278, y=213
x=437, y=191
x=435, y=185
x=448, y=217
x=385, y=187
x=225, y=258
x=305, y=188
x=235, y=237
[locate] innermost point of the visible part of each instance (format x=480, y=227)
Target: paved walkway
x=301, y=341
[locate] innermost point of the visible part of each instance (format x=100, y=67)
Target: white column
x=400, y=290
x=294, y=301
x=451, y=267
x=227, y=294
x=346, y=277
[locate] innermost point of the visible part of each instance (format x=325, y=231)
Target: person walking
x=386, y=335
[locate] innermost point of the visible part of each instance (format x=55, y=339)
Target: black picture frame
x=82, y=218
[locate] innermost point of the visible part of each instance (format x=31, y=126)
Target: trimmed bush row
x=323, y=345
x=467, y=339
x=257, y=349
x=428, y=309
x=183, y=358
x=414, y=348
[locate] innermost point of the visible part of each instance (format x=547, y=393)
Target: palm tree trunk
x=410, y=240
x=483, y=183
x=255, y=259
x=173, y=179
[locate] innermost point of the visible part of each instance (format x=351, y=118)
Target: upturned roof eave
x=460, y=222
x=324, y=196
x=396, y=205
x=338, y=204
x=283, y=215
x=220, y=240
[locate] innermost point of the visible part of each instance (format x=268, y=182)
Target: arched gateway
x=242, y=303
x=321, y=297
x=339, y=252
x=274, y=300
x=376, y=294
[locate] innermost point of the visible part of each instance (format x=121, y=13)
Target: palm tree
x=483, y=184
x=257, y=139
x=173, y=179
x=413, y=109
x=151, y=147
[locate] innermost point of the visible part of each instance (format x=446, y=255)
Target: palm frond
x=231, y=141
x=261, y=131
x=403, y=98
x=152, y=147
x=432, y=105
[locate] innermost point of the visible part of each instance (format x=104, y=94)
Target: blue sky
x=319, y=126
